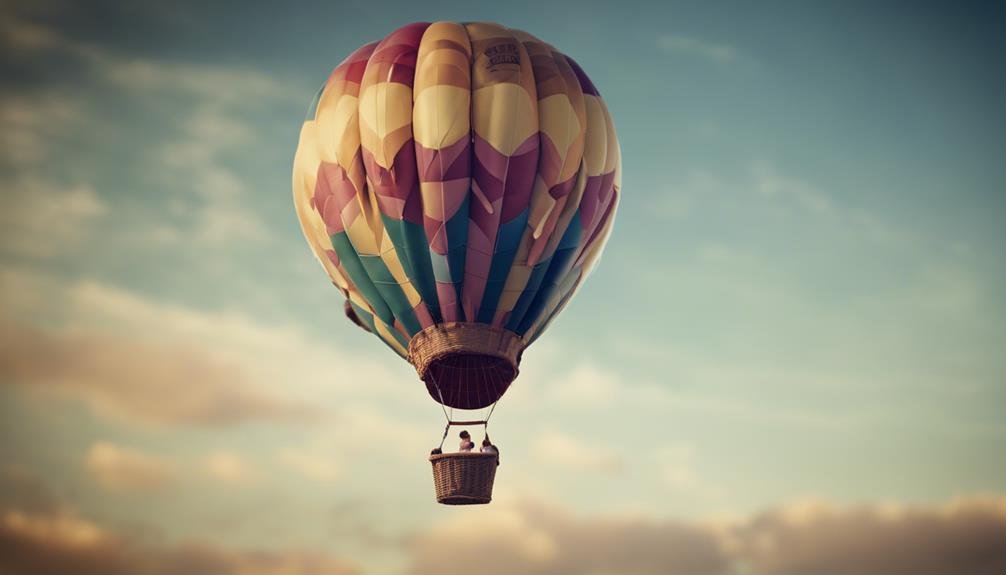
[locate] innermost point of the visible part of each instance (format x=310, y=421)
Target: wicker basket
x=466, y=365
x=464, y=478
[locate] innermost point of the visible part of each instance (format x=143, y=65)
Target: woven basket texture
x=464, y=478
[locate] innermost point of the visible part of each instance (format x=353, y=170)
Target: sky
x=788, y=361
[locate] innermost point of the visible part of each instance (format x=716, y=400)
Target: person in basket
x=466, y=441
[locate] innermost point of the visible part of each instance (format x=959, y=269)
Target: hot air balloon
x=458, y=183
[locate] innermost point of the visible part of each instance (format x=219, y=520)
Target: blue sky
x=798, y=319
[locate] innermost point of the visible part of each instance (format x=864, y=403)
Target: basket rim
x=464, y=500
x=462, y=455
x=467, y=337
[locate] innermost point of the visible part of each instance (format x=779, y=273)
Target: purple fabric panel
x=397, y=189
x=585, y=84
x=450, y=163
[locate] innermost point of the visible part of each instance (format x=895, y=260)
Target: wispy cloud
x=964, y=535
x=230, y=468
x=210, y=105
x=41, y=219
x=42, y=534
x=677, y=466
x=564, y=451
x=140, y=360
x=585, y=384
x=137, y=381
x=967, y=535
x=310, y=464
x=533, y=537
x=690, y=46
x=65, y=542
x=29, y=125
x=121, y=468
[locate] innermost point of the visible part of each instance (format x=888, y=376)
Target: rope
x=441, y=395
x=448, y=417
x=447, y=427
x=485, y=428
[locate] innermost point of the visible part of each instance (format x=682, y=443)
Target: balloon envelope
x=458, y=183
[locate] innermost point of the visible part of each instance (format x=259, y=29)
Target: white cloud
x=317, y=466
x=676, y=466
x=124, y=469
x=212, y=83
x=963, y=536
x=64, y=529
x=282, y=354
x=369, y=427
x=230, y=468
x=41, y=219
x=533, y=537
x=142, y=361
x=675, y=43
x=29, y=124
x=187, y=155
x=561, y=450
x=216, y=207
x=774, y=185
x=23, y=35
x=587, y=384
x=56, y=542
x=133, y=380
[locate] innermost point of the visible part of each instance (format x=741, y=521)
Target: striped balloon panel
x=457, y=173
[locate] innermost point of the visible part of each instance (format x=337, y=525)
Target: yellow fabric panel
x=595, y=148
x=362, y=237
x=338, y=124
x=437, y=124
x=384, y=332
x=560, y=122
x=305, y=173
x=504, y=115
x=385, y=108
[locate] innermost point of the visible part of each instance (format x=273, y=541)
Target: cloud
x=963, y=536
x=41, y=219
x=676, y=466
x=22, y=35
x=770, y=183
x=558, y=449
x=192, y=155
x=309, y=464
x=145, y=361
x=64, y=542
x=123, y=469
x=22, y=489
x=29, y=124
x=276, y=352
x=211, y=104
x=585, y=385
x=373, y=429
x=135, y=380
x=677, y=44
x=41, y=535
x=193, y=160
x=533, y=538
x=230, y=468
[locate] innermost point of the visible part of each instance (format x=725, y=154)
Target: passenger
x=488, y=447
x=466, y=442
